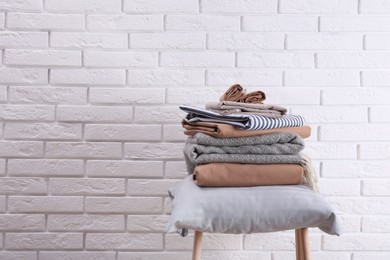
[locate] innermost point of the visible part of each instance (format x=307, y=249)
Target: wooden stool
x=302, y=245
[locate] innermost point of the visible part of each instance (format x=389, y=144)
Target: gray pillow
x=249, y=209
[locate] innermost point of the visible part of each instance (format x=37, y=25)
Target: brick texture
x=90, y=134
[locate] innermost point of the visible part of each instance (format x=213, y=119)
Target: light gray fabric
x=249, y=209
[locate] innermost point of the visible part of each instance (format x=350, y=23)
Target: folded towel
x=233, y=93
x=248, y=122
x=246, y=175
x=236, y=93
x=225, y=130
x=253, y=97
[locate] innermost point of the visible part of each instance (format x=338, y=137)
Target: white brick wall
x=90, y=138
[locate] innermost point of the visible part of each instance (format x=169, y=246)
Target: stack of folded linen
x=241, y=142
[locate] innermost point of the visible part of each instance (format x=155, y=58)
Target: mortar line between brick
x=318, y=24
x=122, y=6
x=164, y=23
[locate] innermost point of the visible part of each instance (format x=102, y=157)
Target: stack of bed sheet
x=240, y=142
x=236, y=149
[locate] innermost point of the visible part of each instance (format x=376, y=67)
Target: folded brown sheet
x=246, y=175
x=253, y=97
x=225, y=130
x=233, y=93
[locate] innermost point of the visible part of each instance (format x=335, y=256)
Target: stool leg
x=305, y=244
x=298, y=243
x=197, y=245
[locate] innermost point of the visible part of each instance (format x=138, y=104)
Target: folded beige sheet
x=230, y=107
x=247, y=107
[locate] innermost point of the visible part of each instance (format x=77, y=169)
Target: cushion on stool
x=249, y=209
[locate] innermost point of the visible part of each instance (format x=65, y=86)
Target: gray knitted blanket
x=262, y=149
x=191, y=162
x=264, y=139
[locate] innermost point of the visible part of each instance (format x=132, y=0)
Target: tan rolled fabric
x=233, y=93
x=253, y=97
x=225, y=130
x=246, y=175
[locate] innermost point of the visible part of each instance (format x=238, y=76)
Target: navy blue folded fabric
x=246, y=122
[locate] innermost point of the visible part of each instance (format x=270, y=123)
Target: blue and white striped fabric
x=247, y=122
